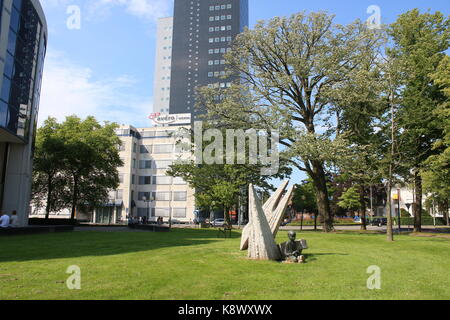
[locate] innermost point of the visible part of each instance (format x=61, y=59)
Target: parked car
x=219, y=223
x=379, y=222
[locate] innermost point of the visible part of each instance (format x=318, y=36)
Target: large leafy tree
x=48, y=185
x=287, y=66
x=420, y=41
x=85, y=157
x=436, y=172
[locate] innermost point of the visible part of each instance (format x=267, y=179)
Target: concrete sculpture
x=261, y=244
x=274, y=209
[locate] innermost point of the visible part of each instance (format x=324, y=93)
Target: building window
x=141, y=196
x=161, y=196
x=145, y=164
x=163, y=148
x=144, y=212
x=160, y=212
x=162, y=164
x=145, y=180
x=162, y=180
x=179, y=212
x=179, y=181
x=180, y=196
x=145, y=149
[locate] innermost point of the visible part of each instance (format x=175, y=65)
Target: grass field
x=196, y=264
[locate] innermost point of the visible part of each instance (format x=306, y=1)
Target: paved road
x=306, y=228
x=373, y=228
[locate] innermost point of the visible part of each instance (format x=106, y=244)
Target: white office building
x=145, y=190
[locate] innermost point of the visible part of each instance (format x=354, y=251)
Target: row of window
x=145, y=164
x=220, y=39
x=219, y=50
x=220, y=85
x=220, y=7
x=144, y=134
x=162, y=212
x=163, y=196
x=215, y=62
x=160, y=180
x=220, y=18
x=155, y=164
x=157, y=148
x=221, y=28
x=216, y=74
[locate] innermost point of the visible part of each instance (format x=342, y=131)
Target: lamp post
x=398, y=186
x=148, y=201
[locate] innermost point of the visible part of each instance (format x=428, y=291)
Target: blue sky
x=105, y=68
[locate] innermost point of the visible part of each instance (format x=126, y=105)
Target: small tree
x=350, y=200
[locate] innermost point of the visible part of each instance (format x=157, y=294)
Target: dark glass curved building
x=23, y=40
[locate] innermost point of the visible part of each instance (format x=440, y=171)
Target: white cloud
x=148, y=10
x=68, y=88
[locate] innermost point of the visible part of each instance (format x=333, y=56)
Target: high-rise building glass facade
x=203, y=31
x=23, y=40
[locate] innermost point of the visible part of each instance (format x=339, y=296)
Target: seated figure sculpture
x=292, y=250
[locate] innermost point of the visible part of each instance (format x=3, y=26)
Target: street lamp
x=398, y=186
x=148, y=205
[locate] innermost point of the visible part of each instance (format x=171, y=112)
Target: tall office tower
x=161, y=87
x=23, y=40
x=203, y=31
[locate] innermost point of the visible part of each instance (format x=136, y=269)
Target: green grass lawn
x=196, y=264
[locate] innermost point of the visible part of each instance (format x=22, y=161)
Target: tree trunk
x=445, y=213
x=417, y=207
x=49, y=197
x=315, y=220
x=226, y=213
x=389, y=231
x=323, y=202
x=362, y=208
x=74, y=199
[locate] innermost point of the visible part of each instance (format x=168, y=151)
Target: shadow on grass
x=314, y=256
x=91, y=243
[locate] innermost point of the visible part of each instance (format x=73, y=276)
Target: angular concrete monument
x=274, y=209
x=261, y=243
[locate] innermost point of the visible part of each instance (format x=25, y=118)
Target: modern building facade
x=203, y=30
x=145, y=190
x=23, y=40
x=163, y=62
